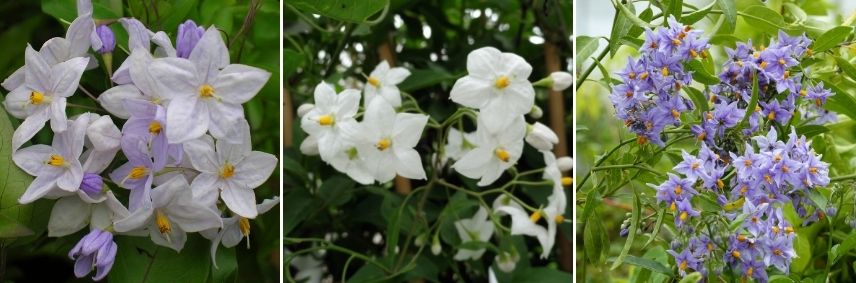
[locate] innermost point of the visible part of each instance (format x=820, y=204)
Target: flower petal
x=255, y=169
x=32, y=159
x=210, y=54
x=201, y=153
x=472, y=92
x=59, y=122
x=187, y=119
x=113, y=99
x=37, y=189
x=65, y=76
x=176, y=75
x=481, y=62
x=29, y=128
x=240, y=201
x=409, y=164
x=408, y=129
x=237, y=83
x=68, y=215
x=37, y=71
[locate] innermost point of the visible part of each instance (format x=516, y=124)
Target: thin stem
x=582, y=78
x=87, y=92
x=84, y=107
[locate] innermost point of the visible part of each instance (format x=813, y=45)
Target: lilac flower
x=92, y=184
x=684, y=260
x=818, y=94
x=108, y=40
x=674, y=189
x=775, y=112
x=816, y=172
x=96, y=250
x=776, y=61
x=754, y=269
x=147, y=125
x=137, y=174
x=684, y=212
x=779, y=252
x=691, y=167
x=56, y=166
x=188, y=35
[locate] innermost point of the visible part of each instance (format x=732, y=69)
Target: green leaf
x=586, y=45
x=634, y=224
x=697, y=97
x=764, y=19
x=818, y=199
x=780, y=279
x=354, y=11
x=846, y=67
x=697, y=15
x=674, y=8
x=729, y=11
x=10, y=228
x=337, y=190
x=811, y=130
x=700, y=74
x=831, y=38
x=423, y=78
x=621, y=26
x=594, y=239
x=541, y=274
x=295, y=212
x=753, y=102
x=691, y=278
x=842, y=102
x=840, y=249
x=631, y=15
x=140, y=260
x=592, y=201
x=67, y=9
x=802, y=246
x=291, y=61
x=724, y=39
x=648, y=264
x=227, y=265
x=661, y=214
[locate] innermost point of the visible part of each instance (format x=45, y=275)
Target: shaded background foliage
x=250, y=29
x=600, y=215
x=340, y=41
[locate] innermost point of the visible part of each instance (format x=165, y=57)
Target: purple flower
x=754, y=269
x=92, y=184
x=816, y=172
x=776, y=61
x=137, y=174
x=818, y=94
x=108, y=40
x=779, y=252
x=684, y=260
x=691, y=167
x=188, y=35
x=97, y=251
x=675, y=189
x=776, y=112
x=684, y=212
x=147, y=124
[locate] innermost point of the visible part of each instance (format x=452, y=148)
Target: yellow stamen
x=789, y=229
x=643, y=75
x=695, y=165
x=206, y=91
x=559, y=219
x=747, y=162
x=676, y=42
x=787, y=74
x=809, y=52
x=775, y=229
x=56, y=160
x=678, y=190
x=709, y=246
x=673, y=207
x=683, y=265
x=709, y=115
x=693, y=53
x=501, y=154
x=535, y=216
x=155, y=128
x=771, y=116
x=803, y=93
x=735, y=254
x=383, y=144
x=781, y=61
x=227, y=171
x=719, y=183
x=749, y=271
x=374, y=81
x=244, y=225
x=641, y=140
x=768, y=179
x=631, y=75
x=818, y=102
x=664, y=71
x=36, y=98
x=763, y=65
x=163, y=222
x=741, y=238
x=138, y=172
x=683, y=216
x=567, y=181
x=744, y=190
x=326, y=120
x=812, y=170
x=501, y=82
x=777, y=252
x=756, y=54
x=676, y=114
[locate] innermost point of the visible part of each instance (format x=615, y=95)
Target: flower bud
x=565, y=163
x=108, y=40
x=536, y=112
x=561, y=80
x=96, y=250
x=309, y=146
x=188, y=35
x=507, y=261
x=92, y=184
x=541, y=137
x=304, y=108
x=623, y=233
x=435, y=246
x=420, y=240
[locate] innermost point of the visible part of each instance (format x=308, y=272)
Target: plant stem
x=582, y=78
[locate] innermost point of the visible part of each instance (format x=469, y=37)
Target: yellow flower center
x=673, y=207
x=719, y=183
x=501, y=154
x=683, y=265
x=678, y=190
x=781, y=61
x=36, y=98
x=326, y=120
x=775, y=229
x=803, y=92
x=771, y=116
x=374, y=81
x=676, y=42
x=683, y=216
x=749, y=271
x=163, y=222
x=631, y=75
x=695, y=165
x=789, y=229
x=644, y=75
x=763, y=65
x=383, y=144
x=535, y=216
x=787, y=74
x=206, y=91
x=501, y=82
x=676, y=114
x=567, y=181
x=812, y=170
x=559, y=219
x=56, y=160
x=709, y=246
x=693, y=53
x=664, y=71
x=741, y=238
x=155, y=128
x=227, y=171
x=138, y=172
x=735, y=254
x=244, y=225
x=777, y=252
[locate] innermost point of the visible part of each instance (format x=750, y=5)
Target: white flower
x=541, y=137
x=565, y=163
x=236, y=228
x=70, y=214
x=476, y=229
x=231, y=171
x=308, y=268
x=42, y=96
x=382, y=81
x=309, y=146
x=436, y=248
x=386, y=140
x=497, y=84
x=206, y=91
x=561, y=80
x=304, y=108
x=171, y=213
x=491, y=277
x=55, y=166
x=324, y=122
x=536, y=112
x=458, y=144
x=496, y=149
x=142, y=86
x=525, y=224
x=507, y=261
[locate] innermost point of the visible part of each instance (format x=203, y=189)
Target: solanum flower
x=207, y=92
x=497, y=148
x=325, y=121
x=382, y=82
x=236, y=228
x=42, y=96
x=231, y=171
x=72, y=213
x=188, y=36
x=387, y=139
x=458, y=144
x=476, y=229
x=96, y=250
x=146, y=125
x=524, y=224
x=540, y=136
x=497, y=83
x=55, y=166
x=141, y=86
x=137, y=174
x=171, y=213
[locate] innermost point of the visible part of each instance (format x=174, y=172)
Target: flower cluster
x=496, y=94
x=649, y=97
x=176, y=174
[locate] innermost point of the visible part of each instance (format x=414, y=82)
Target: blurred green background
x=432, y=39
x=598, y=131
x=252, y=34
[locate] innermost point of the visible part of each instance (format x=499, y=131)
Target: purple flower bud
x=95, y=250
x=92, y=184
x=623, y=233
x=108, y=40
x=188, y=35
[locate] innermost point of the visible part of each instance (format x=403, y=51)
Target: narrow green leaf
x=831, y=38
x=818, y=199
x=697, y=15
x=634, y=225
x=354, y=11
x=842, y=102
x=630, y=15
x=661, y=214
x=811, y=130
x=674, y=8
x=594, y=239
x=763, y=18
x=700, y=74
x=621, y=25
x=753, y=102
x=845, y=67
x=648, y=264
x=796, y=12
x=724, y=39
x=729, y=11
x=586, y=45
x=592, y=201
x=423, y=78
x=840, y=249
x=691, y=278
x=646, y=16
